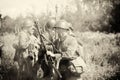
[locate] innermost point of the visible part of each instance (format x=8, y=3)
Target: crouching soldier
x=68, y=45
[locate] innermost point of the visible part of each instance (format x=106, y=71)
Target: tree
x=91, y=15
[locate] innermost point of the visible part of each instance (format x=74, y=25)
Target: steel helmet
x=50, y=24
x=28, y=23
x=62, y=24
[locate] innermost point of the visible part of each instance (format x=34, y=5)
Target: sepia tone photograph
x=59, y=39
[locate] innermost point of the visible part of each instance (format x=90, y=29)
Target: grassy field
x=101, y=54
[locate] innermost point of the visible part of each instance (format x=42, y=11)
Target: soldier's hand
x=58, y=56
x=50, y=54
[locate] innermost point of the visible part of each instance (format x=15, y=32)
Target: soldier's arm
x=35, y=41
x=47, y=42
x=15, y=43
x=71, y=48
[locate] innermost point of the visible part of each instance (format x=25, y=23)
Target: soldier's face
x=62, y=32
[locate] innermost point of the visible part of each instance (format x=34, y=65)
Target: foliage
x=92, y=15
x=7, y=25
x=115, y=16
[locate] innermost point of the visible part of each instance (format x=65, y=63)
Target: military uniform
x=70, y=48
x=26, y=48
x=49, y=34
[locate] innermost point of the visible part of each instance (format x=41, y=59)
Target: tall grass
x=8, y=50
x=102, y=55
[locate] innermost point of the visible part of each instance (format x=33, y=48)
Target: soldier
x=26, y=47
x=49, y=38
x=69, y=47
x=49, y=34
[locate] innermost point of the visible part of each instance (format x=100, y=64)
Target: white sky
x=14, y=8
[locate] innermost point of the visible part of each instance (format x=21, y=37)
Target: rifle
x=44, y=50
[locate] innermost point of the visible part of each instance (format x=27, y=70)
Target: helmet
x=28, y=23
x=62, y=24
x=50, y=24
